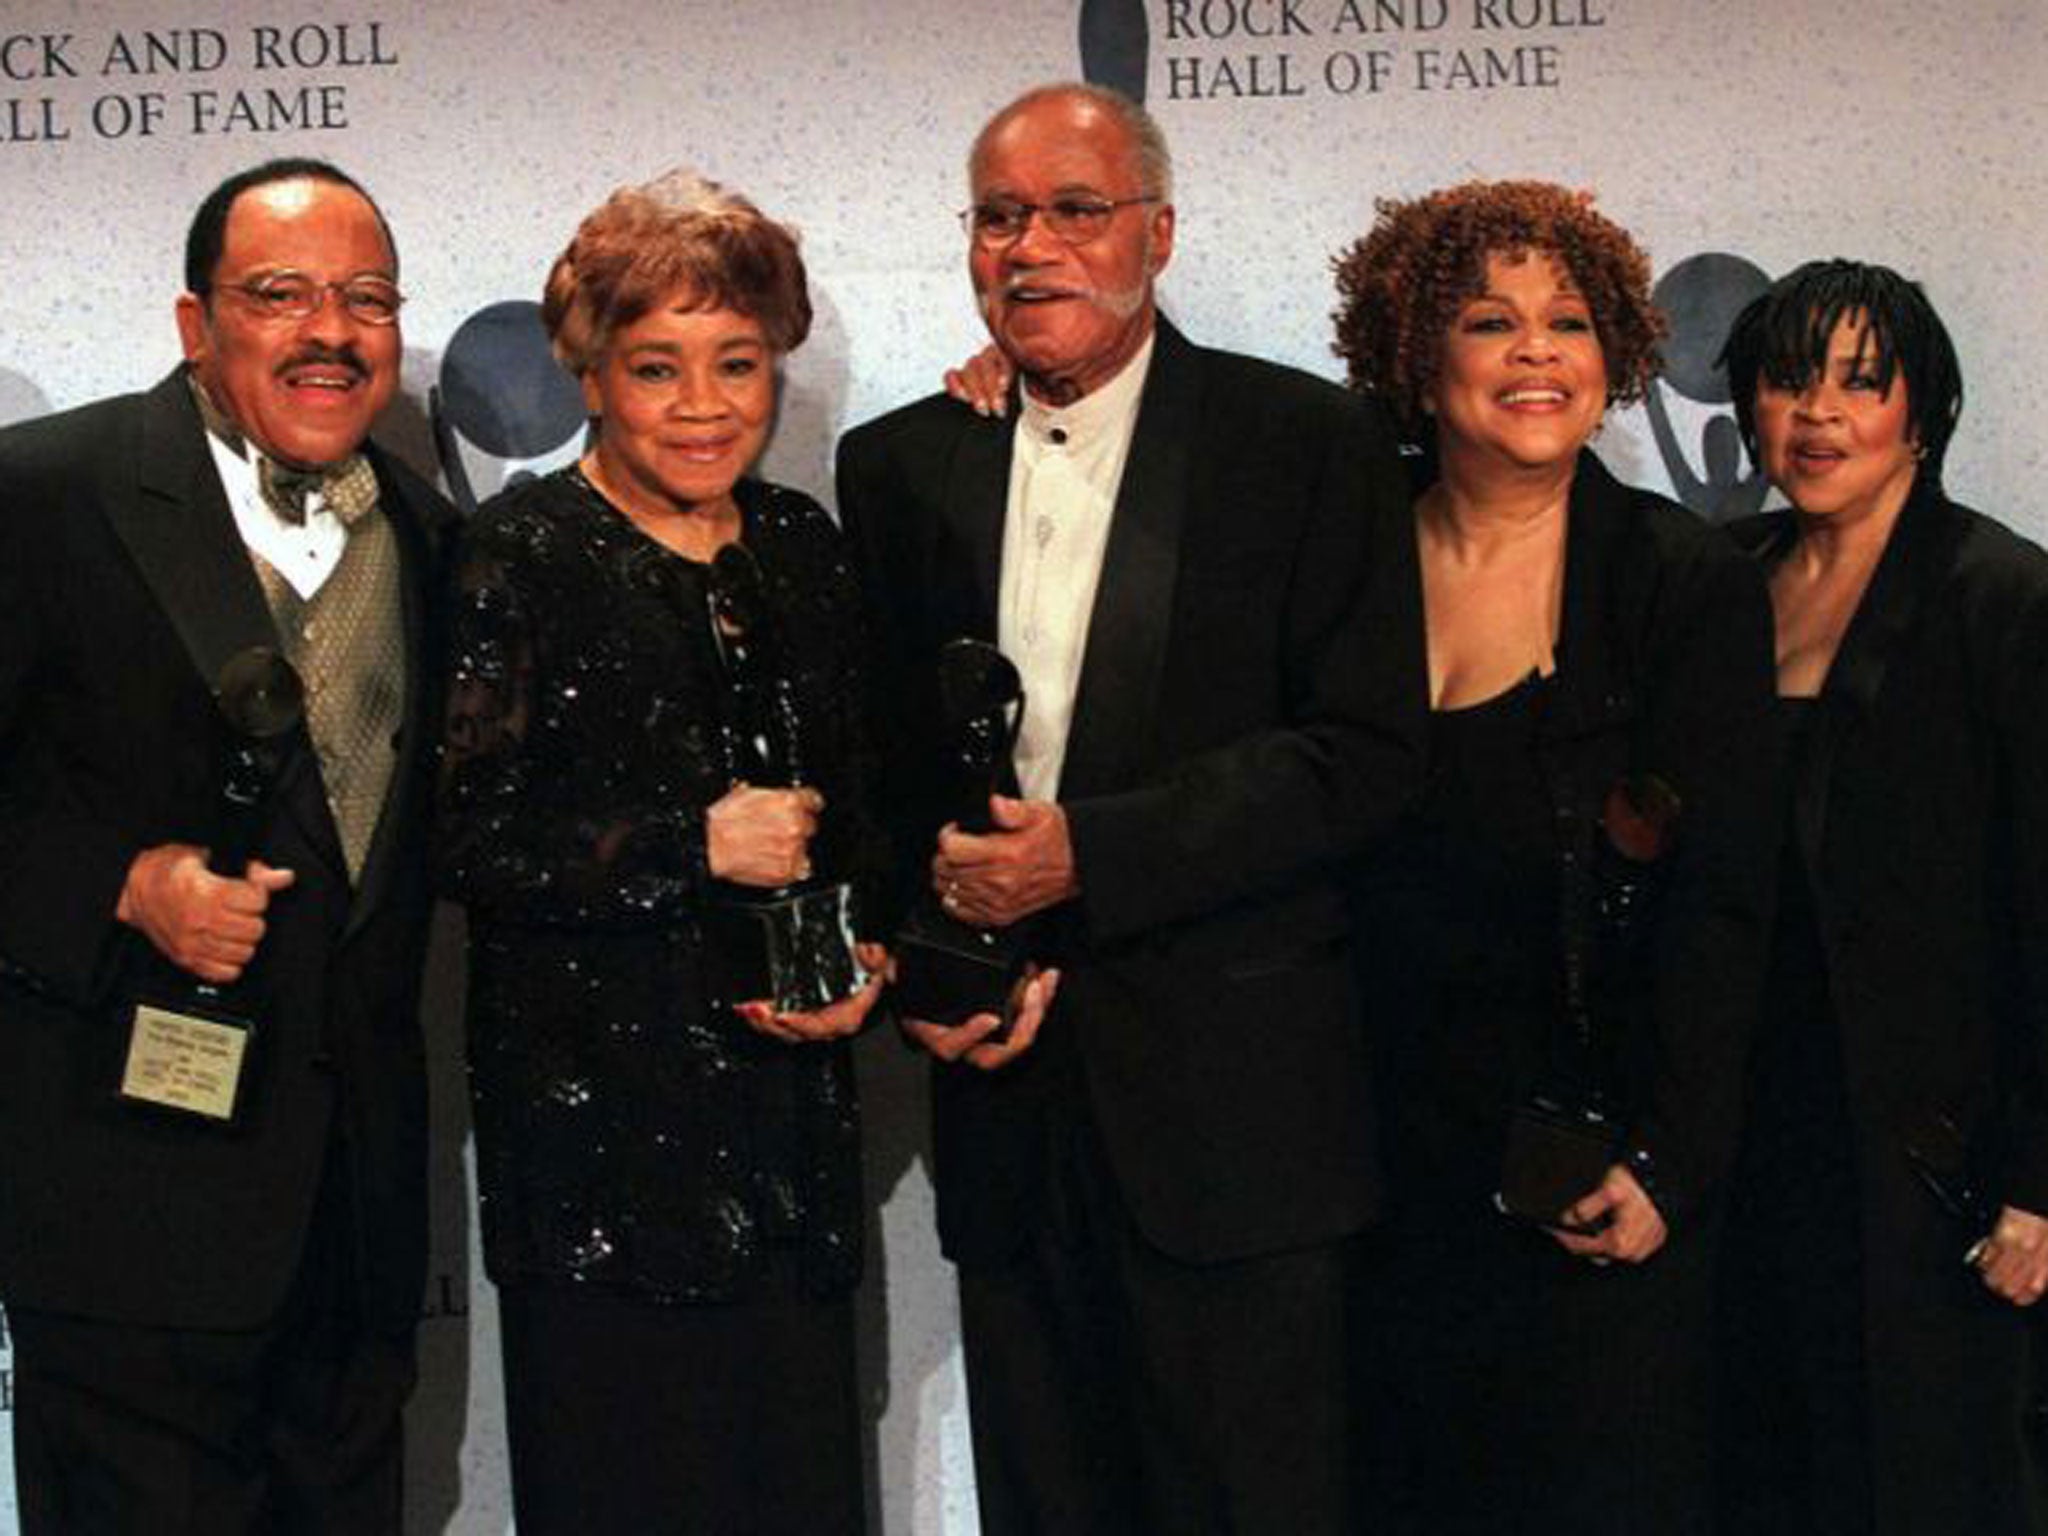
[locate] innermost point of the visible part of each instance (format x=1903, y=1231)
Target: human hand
x=983, y=382
x=996, y=878
x=876, y=960
x=762, y=837
x=969, y=1040
x=2013, y=1260
x=201, y=922
x=844, y=1017
x=1631, y=1228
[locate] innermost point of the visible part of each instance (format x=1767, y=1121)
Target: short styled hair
x=1148, y=143
x=1401, y=285
x=678, y=232
x=208, y=234
x=1783, y=335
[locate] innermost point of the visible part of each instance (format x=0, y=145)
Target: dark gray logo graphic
x=1116, y=45
x=21, y=398
x=503, y=391
x=1702, y=295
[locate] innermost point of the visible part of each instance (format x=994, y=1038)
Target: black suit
x=123, y=584
x=1249, y=713
x=1920, y=822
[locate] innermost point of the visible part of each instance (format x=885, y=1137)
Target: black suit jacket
x=123, y=583
x=1250, y=712
x=1922, y=813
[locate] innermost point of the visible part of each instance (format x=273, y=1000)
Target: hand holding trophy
x=187, y=1050
x=790, y=943
x=948, y=970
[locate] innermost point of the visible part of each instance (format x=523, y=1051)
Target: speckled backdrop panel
x=1735, y=139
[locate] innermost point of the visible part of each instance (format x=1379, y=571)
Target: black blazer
x=1664, y=669
x=1923, y=819
x=1250, y=712
x=123, y=583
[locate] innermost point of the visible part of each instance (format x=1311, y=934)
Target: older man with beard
x=212, y=1106
x=1202, y=567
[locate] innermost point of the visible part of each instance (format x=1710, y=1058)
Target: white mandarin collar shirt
x=1066, y=464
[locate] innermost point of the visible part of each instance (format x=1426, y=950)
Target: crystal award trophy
x=793, y=945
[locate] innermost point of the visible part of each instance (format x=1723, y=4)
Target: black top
x=630, y=1131
x=1469, y=892
x=1798, y=1154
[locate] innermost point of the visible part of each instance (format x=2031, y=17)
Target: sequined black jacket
x=629, y=1131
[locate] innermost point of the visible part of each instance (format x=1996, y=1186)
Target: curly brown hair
x=677, y=232
x=1401, y=286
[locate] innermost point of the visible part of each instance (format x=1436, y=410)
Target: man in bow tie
x=212, y=906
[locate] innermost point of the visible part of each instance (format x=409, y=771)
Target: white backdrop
x=1761, y=131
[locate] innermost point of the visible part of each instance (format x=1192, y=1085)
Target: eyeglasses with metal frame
x=1072, y=220
x=292, y=295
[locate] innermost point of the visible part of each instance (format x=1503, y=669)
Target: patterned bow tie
x=348, y=488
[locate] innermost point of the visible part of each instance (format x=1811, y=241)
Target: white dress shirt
x=1064, y=471
x=304, y=554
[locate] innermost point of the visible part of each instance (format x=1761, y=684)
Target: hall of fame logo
x=1273, y=50
x=1701, y=296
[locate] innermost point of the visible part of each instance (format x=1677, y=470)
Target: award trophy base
x=792, y=947
x=1559, y=1147
x=947, y=971
x=186, y=1058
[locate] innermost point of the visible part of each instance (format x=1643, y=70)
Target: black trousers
x=1519, y=1391
x=293, y=1429
x=1117, y=1391
x=726, y=1419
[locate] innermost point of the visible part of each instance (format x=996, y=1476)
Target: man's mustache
x=1121, y=302
x=318, y=354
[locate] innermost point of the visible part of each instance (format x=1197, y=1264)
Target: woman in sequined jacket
x=668, y=1166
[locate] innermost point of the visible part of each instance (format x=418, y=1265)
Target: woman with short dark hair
x=667, y=1161
x=1887, y=1227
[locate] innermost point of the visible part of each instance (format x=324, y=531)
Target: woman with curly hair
x=1563, y=943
